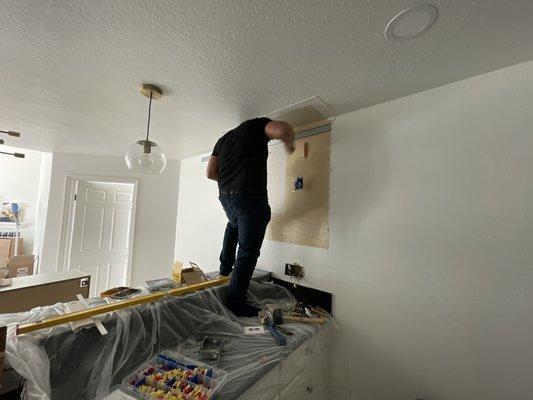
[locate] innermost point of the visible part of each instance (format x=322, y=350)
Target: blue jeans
x=248, y=216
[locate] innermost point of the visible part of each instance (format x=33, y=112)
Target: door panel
x=292, y=366
x=120, y=230
x=123, y=197
x=92, y=229
x=101, y=232
x=95, y=195
x=295, y=390
x=266, y=388
x=116, y=275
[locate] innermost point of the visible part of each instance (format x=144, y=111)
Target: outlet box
x=299, y=183
x=294, y=270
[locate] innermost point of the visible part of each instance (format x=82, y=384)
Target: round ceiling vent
x=411, y=23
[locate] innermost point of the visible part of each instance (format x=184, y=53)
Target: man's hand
x=283, y=131
x=212, y=168
x=289, y=148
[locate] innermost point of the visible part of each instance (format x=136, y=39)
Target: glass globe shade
x=145, y=157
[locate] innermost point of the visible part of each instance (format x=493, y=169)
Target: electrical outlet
x=299, y=183
x=294, y=270
x=288, y=269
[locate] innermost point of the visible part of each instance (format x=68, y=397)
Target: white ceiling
x=69, y=70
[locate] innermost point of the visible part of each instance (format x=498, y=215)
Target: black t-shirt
x=242, y=157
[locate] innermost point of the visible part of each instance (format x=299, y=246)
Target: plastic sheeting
x=60, y=364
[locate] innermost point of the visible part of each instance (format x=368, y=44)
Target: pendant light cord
x=17, y=155
x=149, y=111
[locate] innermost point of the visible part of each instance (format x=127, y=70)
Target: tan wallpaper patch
x=300, y=216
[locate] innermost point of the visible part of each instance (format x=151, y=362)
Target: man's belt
x=233, y=192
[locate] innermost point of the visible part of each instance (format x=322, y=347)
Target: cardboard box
x=7, y=249
x=193, y=275
x=20, y=266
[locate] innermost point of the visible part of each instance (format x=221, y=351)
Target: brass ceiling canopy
x=148, y=90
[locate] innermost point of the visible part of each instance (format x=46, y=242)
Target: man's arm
x=281, y=130
x=212, y=168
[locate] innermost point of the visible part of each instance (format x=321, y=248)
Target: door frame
x=67, y=220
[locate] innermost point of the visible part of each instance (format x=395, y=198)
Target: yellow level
x=91, y=312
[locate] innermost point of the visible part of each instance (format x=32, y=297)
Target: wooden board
x=300, y=217
x=79, y=315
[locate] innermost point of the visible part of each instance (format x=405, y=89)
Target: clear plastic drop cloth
x=60, y=364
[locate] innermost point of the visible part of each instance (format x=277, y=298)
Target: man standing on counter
x=239, y=165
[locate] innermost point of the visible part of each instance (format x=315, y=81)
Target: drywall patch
x=300, y=216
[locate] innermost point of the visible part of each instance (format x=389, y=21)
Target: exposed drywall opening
x=303, y=112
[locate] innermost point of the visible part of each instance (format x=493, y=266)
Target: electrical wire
x=149, y=112
x=299, y=276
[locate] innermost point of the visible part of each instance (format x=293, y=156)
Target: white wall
x=42, y=206
x=20, y=182
x=155, y=227
x=431, y=243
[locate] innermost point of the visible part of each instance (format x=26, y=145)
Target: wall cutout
x=300, y=216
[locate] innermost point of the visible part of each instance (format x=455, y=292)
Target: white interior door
x=101, y=232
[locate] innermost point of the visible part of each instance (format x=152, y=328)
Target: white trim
x=13, y=225
x=67, y=220
x=314, y=101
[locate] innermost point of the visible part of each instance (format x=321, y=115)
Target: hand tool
x=282, y=340
x=304, y=319
x=266, y=319
x=284, y=331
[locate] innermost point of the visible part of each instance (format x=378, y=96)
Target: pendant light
x=15, y=134
x=16, y=155
x=145, y=156
x=11, y=133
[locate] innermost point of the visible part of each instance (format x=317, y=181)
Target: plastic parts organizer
x=171, y=376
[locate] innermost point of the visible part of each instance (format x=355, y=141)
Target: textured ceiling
x=69, y=69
